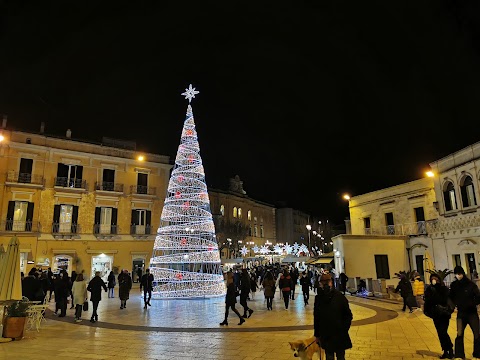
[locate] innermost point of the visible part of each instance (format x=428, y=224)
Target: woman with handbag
x=79, y=296
x=439, y=307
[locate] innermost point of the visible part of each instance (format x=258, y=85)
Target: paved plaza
x=189, y=329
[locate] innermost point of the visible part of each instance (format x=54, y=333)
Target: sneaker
x=92, y=320
x=78, y=320
x=411, y=311
x=121, y=307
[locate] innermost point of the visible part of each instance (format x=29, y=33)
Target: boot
x=224, y=322
x=242, y=320
x=447, y=354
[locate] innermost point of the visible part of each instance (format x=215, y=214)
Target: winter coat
x=245, y=285
x=79, y=291
x=405, y=288
x=332, y=318
x=95, y=287
x=124, y=286
x=31, y=288
x=285, y=283
x=465, y=295
x=111, y=281
x=437, y=303
x=268, y=287
x=231, y=297
x=418, y=287
x=61, y=289
x=146, y=282
x=305, y=283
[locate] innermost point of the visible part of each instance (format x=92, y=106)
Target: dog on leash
x=306, y=349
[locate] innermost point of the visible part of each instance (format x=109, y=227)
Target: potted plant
x=14, y=319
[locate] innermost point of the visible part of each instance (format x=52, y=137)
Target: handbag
x=85, y=306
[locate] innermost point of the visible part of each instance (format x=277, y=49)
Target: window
x=419, y=214
x=381, y=265
x=250, y=232
x=142, y=183
x=69, y=176
x=65, y=219
x=449, y=197
x=249, y=215
x=468, y=193
x=222, y=210
x=420, y=220
x=419, y=263
x=105, y=220
x=366, y=223
x=108, y=180
x=19, y=216
x=239, y=213
x=261, y=219
x=456, y=260
x=141, y=221
x=255, y=218
x=234, y=212
x=390, y=223
x=25, y=171
x=255, y=231
x=261, y=231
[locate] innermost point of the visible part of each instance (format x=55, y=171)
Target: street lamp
x=309, y=227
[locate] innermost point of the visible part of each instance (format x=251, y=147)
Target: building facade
x=77, y=205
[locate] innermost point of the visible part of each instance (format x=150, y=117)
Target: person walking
x=31, y=286
x=269, y=289
x=294, y=274
x=465, y=295
x=79, y=296
x=285, y=285
x=305, y=284
x=439, y=308
x=245, y=287
x=111, y=284
x=253, y=285
x=231, y=300
x=124, y=287
x=419, y=290
x=332, y=308
x=51, y=283
x=70, y=286
x=95, y=287
x=343, y=282
x=406, y=291
x=61, y=293
x=146, y=282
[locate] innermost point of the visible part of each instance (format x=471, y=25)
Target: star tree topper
x=190, y=93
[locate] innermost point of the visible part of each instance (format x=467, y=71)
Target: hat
x=325, y=278
x=435, y=276
x=459, y=270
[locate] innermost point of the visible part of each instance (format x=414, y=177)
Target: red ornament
x=210, y=248
x=186, y=205
x=179, y=276
x=177, y=195
x=189, y=132
x=183, y=241
x=180, y=178
x=190, y=158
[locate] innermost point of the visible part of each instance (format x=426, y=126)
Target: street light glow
x=140, y=158
x=430, y=174
x=2, y=137
x=346, y=197
x=309, y=227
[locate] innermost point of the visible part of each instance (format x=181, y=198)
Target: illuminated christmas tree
x=186, y=260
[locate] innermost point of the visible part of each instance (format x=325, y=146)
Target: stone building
x=79, y=205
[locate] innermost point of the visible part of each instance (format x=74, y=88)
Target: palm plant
x=442, y=274
x=407, y=274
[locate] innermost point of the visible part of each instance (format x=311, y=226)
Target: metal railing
x=140, y=229
x=70, y=183
x=19, y=226
x=411, y=229
x=25, y=178
x=65, y=228
x=108, y=186
x=142, y=189
x=106, y=229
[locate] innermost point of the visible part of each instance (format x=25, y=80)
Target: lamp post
x=309, y=227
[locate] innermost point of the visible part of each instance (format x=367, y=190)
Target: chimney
x=69, y=133
x=4, y=122
x=42, y=127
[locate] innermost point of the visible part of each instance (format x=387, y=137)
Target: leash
x=311, y=343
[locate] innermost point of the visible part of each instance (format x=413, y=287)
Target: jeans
x=61, y=304
x=145, y=293
x=286, y=298
x=441, y=324
x=111, y=292
x=331, y=355
x=462, y=321
x=405, y=304
x=95, y=307
x=306, y=295
x=227, y=307
x=269, y=301
x=78, y=311
x=292, y=292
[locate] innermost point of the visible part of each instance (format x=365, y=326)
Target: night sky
x=304, y=100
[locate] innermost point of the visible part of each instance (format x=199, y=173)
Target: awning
x=293, y=259
x=322, y=261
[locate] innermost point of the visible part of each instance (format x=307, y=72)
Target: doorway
x=472, y=266
x=419, y=261
x=62, y=262
x=102, y=263
x=138, y=268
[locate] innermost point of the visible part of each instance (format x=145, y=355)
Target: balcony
x=66, y=183
x=66, y=228
x=411, y=229
x=140, y=229
x=24, y=179
x=108, y=186
x=19, y=226
x=143, y=190
x=105, y=229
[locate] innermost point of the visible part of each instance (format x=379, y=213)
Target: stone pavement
x=186, y=329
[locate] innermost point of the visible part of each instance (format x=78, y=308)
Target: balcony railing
x=108, y=186
x=140, y=230
x=141, y=189
x=24, y=178
x=412, y=229
x=70, y=183
x=19, y=226
x=105, y=229
x=65, y=228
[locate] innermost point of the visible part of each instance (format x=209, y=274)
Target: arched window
x=239, y=213
x=449, y=197
x=249, y=215
x=222, y=210
x=235, y=212
x=468, y=192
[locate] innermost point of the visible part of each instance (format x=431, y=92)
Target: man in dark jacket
x=465, y=295
x=405, y=288
x=95, y=287
x=244, y=291
x=332, y=319
x=146, y=283
x=31, y=286
x=294, y=276
x=343, y=282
